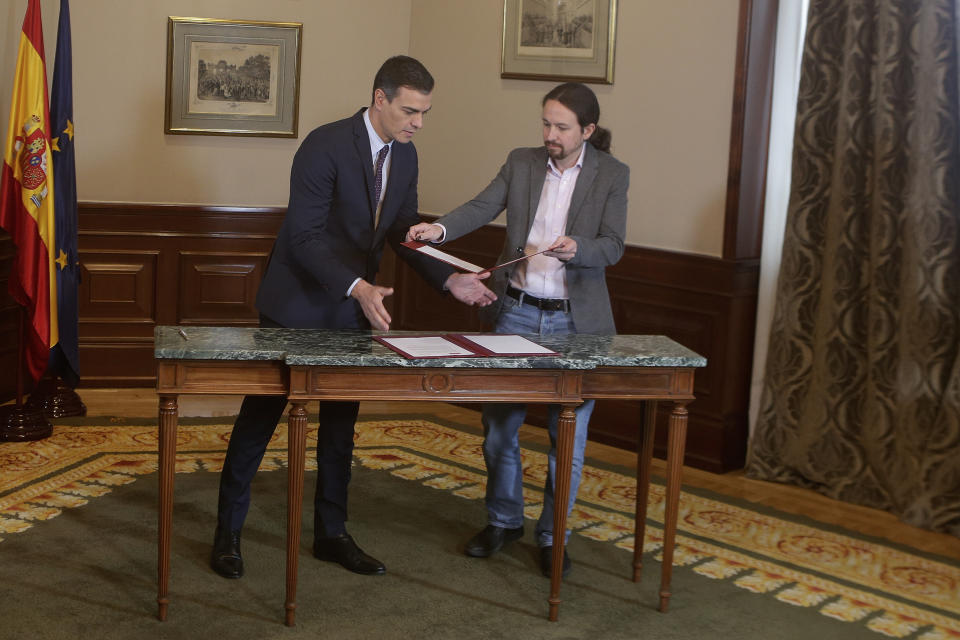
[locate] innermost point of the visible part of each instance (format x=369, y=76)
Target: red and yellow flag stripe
x=26, y=195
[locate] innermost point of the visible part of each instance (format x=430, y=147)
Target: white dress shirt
x=543, y=276
x=375, y=145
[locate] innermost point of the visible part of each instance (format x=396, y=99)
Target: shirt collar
x=578, y=164
x=375, y=142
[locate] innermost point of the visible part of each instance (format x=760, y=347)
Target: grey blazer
x=597, y=220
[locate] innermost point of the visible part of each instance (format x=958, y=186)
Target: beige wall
x=669, y=108
x=119, y=51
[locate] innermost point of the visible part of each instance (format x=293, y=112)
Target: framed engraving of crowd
x=566, y=40
x=232, y=77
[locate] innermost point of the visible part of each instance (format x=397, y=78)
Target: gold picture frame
x=565, y=40
x=232, y=77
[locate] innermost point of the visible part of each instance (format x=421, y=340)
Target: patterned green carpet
x=78, y=552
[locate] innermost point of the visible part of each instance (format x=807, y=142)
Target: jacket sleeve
x=482, y=209
x=313, y=180
x=606, y=247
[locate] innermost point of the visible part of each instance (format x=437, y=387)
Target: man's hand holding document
x=419, y=235
x=465, y=286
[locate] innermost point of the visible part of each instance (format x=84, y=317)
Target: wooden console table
x=309, y=365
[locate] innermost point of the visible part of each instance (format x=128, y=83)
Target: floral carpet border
x=887, y=590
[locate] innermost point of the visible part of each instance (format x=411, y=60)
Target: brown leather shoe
x=490, y=540
x=225, y=559
x=343, y=550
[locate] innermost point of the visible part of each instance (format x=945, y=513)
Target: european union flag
x=64, y=355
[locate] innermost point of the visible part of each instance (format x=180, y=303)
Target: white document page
x=446, y=257
x=428, y=347
x=508, y=344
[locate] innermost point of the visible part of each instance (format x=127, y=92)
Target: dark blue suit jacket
x=328, y=239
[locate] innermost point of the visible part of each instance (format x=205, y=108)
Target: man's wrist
x=353, y=286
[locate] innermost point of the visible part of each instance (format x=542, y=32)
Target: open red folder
x=456, y=345
x=443, y=256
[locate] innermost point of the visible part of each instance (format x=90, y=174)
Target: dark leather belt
x=544, y=304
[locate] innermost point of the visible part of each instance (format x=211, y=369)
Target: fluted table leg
x=676, y=442
x=167, y=441
x=644, y=460
x=296, y=450
x=566, y=430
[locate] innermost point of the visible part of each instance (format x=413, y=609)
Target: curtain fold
x=861, y=399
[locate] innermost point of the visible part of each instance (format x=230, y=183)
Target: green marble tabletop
x=348, y=348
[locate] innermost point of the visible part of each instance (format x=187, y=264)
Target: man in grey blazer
x=569, y=197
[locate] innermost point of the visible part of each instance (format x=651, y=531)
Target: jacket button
x=519, y=249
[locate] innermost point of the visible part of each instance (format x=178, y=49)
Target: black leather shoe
x=225, y=559
x=546, y=562
x=490, y=540
x=343, y=550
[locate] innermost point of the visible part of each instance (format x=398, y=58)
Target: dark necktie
x=378, y=171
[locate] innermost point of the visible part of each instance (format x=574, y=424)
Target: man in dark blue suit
x=353, y=187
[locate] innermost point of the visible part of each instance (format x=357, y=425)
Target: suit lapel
x=538, y=174
x=584, y=181
x=361, y=141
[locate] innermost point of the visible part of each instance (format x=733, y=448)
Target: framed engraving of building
x=567, y=40
x=232, y=77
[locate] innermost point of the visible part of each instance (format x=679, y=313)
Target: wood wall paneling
x=202, y=266
x=219, y=288
x=118, y=286
x=144, y=265
x=9, y=326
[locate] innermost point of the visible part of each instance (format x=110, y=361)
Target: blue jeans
x=501, y=425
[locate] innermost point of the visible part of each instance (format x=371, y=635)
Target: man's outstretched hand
x=468, y=288
x=371, y=298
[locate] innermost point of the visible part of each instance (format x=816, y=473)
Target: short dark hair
x=401, y=71
x=581, y=99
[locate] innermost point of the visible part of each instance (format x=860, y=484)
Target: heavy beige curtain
x=861, y=399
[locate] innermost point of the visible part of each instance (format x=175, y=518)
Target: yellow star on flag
x=69, y=129
x=54, y=143
x=62, y=260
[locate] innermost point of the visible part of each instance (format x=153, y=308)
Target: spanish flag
x=26, y=196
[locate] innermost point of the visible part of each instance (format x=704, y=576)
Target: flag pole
x=19, y=422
